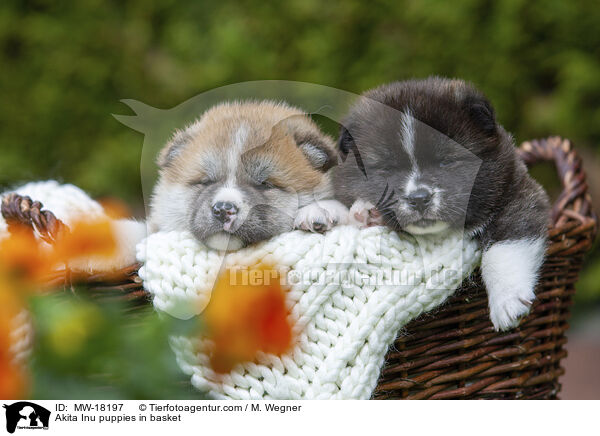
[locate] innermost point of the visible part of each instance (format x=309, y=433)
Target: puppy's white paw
x=321, y=216
x=510, y=270
x=508, y=306
x=364, y=214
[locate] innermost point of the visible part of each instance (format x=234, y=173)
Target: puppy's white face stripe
x=407, y=137
x=241, y=136
x=234, y=153
x=412, y=183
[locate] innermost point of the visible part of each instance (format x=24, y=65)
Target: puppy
x=244, y=172
x=424, y=156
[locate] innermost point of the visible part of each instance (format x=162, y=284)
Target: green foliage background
x=65, y=65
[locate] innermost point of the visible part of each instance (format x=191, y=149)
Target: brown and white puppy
x=423, y=156
x=244, y=172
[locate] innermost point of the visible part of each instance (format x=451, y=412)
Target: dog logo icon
x=26, y=415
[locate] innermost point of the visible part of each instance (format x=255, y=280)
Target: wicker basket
x=454, y=352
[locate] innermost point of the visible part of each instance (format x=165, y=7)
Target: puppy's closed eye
x=267, y=184
x=202, y=181
x=449, y=162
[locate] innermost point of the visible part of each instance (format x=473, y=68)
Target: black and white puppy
x=423, y=156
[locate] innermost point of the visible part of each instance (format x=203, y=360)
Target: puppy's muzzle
x=225, y=212
x=419, y=199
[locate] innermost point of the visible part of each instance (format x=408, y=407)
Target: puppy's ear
x=317, y=150
x=481, y=112
x=173, y=148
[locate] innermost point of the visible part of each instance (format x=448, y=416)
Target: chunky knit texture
x=350, y=293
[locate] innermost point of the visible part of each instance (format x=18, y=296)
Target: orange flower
x=247, y=314
x=21, y=257
x=94, y=238
x=13, y=381
x=25, y=262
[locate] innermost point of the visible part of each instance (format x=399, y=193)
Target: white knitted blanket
x=351, y=292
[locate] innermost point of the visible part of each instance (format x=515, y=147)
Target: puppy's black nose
x=419, y=199
x=223, y=210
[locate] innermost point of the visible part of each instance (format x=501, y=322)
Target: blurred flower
x=28, y=263
x=68, y=333
x=23, y=259
x=13, y=381
x=93, y=238
x=247, y=314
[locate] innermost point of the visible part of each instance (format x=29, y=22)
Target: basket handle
x=574, y=202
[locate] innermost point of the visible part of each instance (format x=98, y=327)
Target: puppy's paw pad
x=507, y=312
x=359, y=213
x=375, y=218
x=364, y=214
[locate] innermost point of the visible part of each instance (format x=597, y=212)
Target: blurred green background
x=64, y=67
